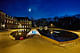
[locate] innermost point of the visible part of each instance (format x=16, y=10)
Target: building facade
x=7, y=22
x=25, y=22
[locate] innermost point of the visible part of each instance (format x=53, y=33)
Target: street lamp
x=3, y=25
x=51, y=32
x=46, y=28
x=51, y=25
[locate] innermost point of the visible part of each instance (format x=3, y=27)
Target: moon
x=29, y=9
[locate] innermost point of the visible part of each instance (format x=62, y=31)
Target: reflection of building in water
x=7, y=22
x=25, y=22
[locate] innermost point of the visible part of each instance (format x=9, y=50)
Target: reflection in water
x=59, y=35
x=21, y=34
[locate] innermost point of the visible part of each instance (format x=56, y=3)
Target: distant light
x=20, y=33
x=29, y=9
x=3, y=25
x=56, y=32
x=46, y=28
x=41, y=28
x=51, y=32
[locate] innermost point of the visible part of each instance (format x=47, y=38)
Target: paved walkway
x=33, y=45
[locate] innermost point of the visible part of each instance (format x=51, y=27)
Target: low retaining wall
x=65, y=44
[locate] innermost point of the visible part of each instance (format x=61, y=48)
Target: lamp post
x=30, y=10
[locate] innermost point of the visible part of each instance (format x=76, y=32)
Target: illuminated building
x=7, y=22
x=25, y=22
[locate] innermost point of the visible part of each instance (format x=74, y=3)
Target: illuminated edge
x=63, y=44
x=11, y=37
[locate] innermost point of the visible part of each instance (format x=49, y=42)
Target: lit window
x=27, y=22
x=16, y=23
x=30, y=22
x=12, y=21
x=22, y=26
x=7, y=21
x=27, y=26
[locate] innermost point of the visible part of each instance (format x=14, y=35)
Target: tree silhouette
x=70, y=22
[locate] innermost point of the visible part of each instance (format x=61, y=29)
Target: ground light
x=51, y=32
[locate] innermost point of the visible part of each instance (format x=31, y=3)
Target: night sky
x=40, y=8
